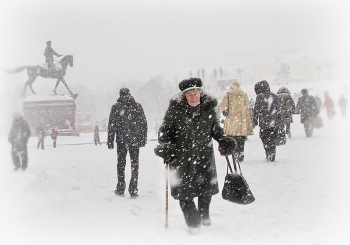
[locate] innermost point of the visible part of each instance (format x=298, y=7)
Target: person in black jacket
x=128, y=125
x=185, y=143
x=267, y=116
x=307, y=108
x=18, y=138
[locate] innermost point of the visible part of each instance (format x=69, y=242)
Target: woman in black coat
x=185, y=138
x=267, y=116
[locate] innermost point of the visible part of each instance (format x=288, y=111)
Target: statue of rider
x=49, y=53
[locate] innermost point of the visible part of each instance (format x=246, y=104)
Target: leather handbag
x=236, y=188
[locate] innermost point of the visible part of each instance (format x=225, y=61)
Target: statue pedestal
x=52, y=111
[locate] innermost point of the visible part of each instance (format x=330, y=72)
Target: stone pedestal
x=52, y=111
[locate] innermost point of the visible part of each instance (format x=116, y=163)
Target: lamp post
x=190, y=74
x=203, y=74
x=215, y=73
x=221, y=82
x=239, y=71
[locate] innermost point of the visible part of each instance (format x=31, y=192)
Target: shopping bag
x=236, y=188
x=317, y=122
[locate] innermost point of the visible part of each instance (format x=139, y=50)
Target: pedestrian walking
x=97, y=134
x=54, y=134
x=287, y=107
x=238, y=122
x=128, y=126
x=18, y=137
x=185, y=143
x=343, y=102
x=307, y=108
x=328, y=104
x=41, y=136
x=267, y=116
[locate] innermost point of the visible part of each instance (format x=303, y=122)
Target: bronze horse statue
x=59, y=72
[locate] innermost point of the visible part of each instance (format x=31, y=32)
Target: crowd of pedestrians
x=185, y=137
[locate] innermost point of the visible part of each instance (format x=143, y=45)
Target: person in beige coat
x=238, y=122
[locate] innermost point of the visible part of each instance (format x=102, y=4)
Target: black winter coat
x=20, y=132
x=266, y=109
x=286, y=105
x=190, y=130
x=127, y=123
x=307, y=107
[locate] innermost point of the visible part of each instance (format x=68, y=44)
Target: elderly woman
x=238, y=122
x=185, y=138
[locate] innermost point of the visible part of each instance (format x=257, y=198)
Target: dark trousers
x=239, y=151
x=308, y=127
x=122, y=150
x=287, y=124
x=54, y=142
x=193, y=216
x=268, y=138
x=41, y=143
x=20, y=155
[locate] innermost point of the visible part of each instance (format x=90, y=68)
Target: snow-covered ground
x=66, y=194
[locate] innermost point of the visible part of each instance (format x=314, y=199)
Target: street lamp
x=215, y=74
x=221, y=82
x=239, y=71
x=190, y=74
x=203, y=73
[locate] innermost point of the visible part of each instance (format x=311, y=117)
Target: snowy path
x=66, y=195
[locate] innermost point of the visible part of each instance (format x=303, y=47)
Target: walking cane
x=166, y=191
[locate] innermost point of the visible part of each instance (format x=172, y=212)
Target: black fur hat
x=189, y=84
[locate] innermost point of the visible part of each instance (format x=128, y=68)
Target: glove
x=164, y=150
x=110, y=145
x=227, y=146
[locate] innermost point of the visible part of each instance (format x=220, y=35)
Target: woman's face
x=193, y=97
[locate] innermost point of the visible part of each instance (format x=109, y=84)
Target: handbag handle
x=234, y=165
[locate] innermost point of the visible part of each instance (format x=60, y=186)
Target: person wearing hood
x=18, y=137
x=307, y=108
x=287, y=108
x=267, y=116
x=128, y=126
x=238, y=122
x=186, y=145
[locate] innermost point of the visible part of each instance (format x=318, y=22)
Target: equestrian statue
x=49, y=70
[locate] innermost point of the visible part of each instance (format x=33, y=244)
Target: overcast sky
x=114, y=41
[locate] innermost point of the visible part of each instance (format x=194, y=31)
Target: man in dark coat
x=190, y=123
x=267, y=116
x=18, y=138
x=287, y=108
x=128, y=125
x=307, y=108
x=97, y=134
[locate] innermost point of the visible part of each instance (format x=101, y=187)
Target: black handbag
x=281, y=136
x=226, y=111
x=236, y=188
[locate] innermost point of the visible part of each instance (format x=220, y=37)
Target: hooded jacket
x=20, y=132
x=127, y=123
x=266, y=110
x=307, y=107
x=190, y=130
x=286, y=105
